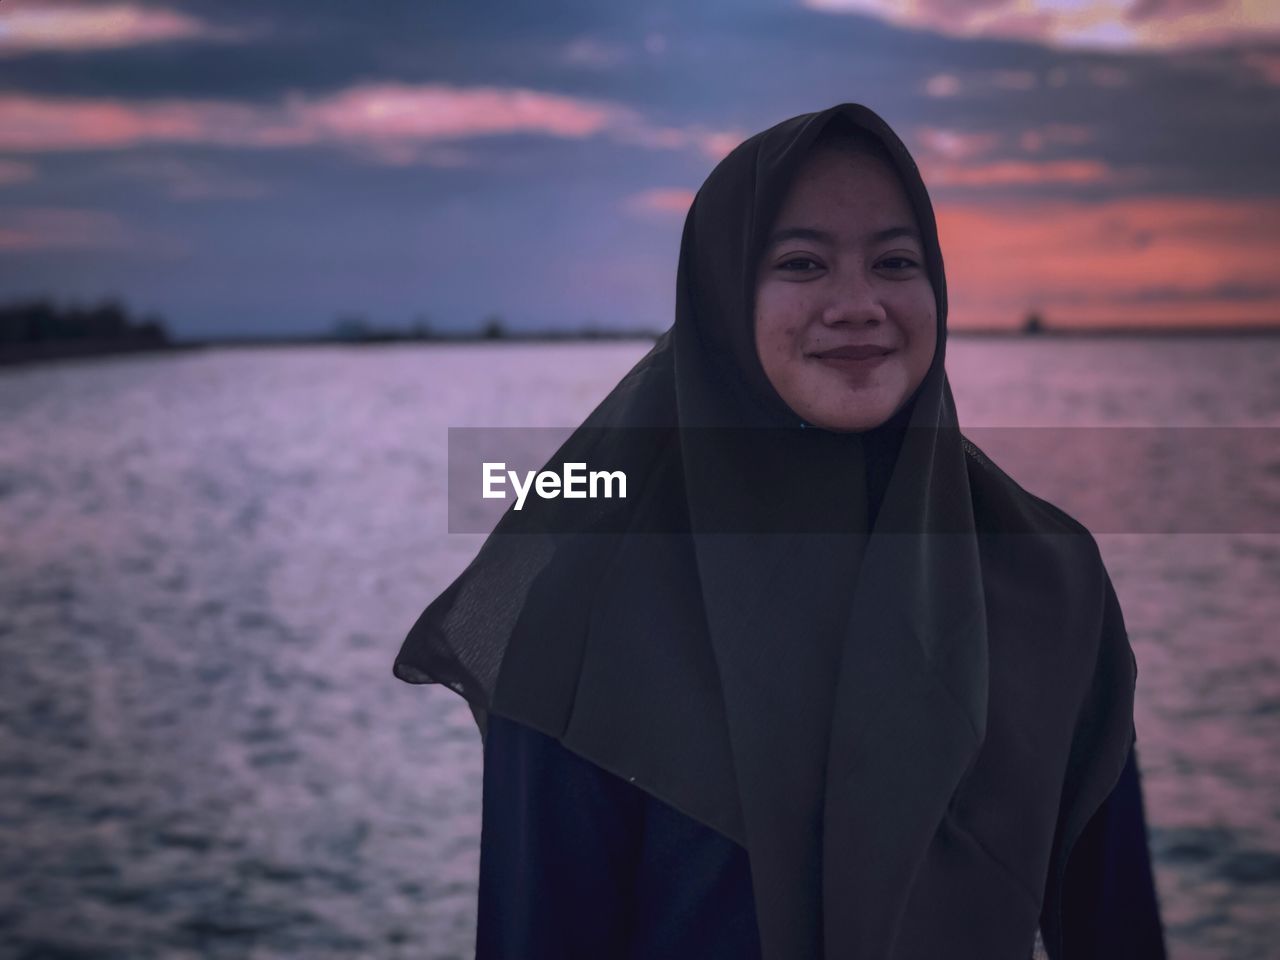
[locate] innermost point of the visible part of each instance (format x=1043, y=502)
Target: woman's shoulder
x=1033, y=543
x=1002, y=505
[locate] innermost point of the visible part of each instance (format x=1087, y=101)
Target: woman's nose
x=854, y=301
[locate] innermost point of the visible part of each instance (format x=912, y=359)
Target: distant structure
x=1034, y=323
x=493, y=328
x=421, y=328
x=351, y=327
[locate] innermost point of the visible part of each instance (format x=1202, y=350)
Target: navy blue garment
x=578, y=864
x=1109, y=897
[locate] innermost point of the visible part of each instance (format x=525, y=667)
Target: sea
x=209, y=558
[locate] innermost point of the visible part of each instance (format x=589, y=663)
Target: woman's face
x=845, y=318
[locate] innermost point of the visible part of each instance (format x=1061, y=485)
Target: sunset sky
x=264, y=167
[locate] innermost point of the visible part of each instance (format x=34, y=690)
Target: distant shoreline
x=21, y=354
x=46, y=351
x=575, y=336
x=1141, y=333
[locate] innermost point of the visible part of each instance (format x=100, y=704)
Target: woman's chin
x=853, y=411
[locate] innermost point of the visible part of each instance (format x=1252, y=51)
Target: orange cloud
x=30, y=26
x=1161, y=260
x=394, y=123
x=1077, y=23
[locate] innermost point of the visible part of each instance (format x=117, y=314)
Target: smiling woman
x=845, y=316
x=836, y=686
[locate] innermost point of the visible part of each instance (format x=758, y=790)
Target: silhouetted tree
x=41, y=321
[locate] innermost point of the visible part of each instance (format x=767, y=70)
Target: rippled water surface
x=208, y=560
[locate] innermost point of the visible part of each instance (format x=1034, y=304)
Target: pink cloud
x=1078, y=23
x=30, y=25
x=942, y=85
x=1018, y=172
x=1037, y=138
x=15, y=171
x=660, y=201
x=1166, y=9
x=391, y=123
x=955, y=144
x=60, y=228
x=1265, y=65
x=404, y=112
x=1105, y=75
x=38, y=124
x=714, y=144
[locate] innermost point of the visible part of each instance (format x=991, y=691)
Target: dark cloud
x=1144, y=10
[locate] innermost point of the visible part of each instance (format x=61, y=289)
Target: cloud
x=714, y=144
x=39, y=124
x=955, y=144
x=1036, y=139
x=31, y=26
x=61, y=228
x=1134, y=260
x=660, y=202
x=1140, y=10
x=15, y=171
x=1077, y=23
x=952, y=158
x=942, y=85
x=1006, y=173
x=406, y=112
x=593, y=54
x=187, y=180
x=391, y=122
x=997, y=82
x=1265, y=64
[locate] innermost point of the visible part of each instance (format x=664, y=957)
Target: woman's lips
x=853, y=356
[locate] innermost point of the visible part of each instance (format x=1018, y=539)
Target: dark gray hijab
x=898, y=680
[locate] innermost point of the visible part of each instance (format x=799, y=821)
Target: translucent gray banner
x=1110, y=479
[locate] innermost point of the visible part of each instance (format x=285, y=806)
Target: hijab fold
x=787, y=633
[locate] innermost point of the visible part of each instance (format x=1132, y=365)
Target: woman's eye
x=898, y=263
x=787, y=265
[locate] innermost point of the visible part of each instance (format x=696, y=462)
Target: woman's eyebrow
x=822, y=236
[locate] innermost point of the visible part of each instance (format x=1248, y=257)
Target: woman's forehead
x=846, y=195
x=868, y=231
x=844, y=173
